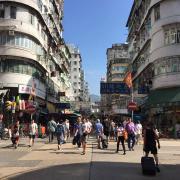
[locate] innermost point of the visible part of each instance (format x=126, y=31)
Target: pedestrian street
x=45, y=161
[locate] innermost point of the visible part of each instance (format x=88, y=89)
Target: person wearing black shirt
x=150, y=139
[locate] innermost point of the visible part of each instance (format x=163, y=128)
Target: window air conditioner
x=44, y=28
x=11, y=32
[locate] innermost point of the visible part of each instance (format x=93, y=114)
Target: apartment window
x=26, y=42
x=40, y=5
x=32, y=19
x=22, y=41
x=75, y=69
x=17, y=41
x=169, y=65
x=157, y=12
x=176, y=65
x=75, y=62
x=2, y=11
x=172, y=36
x=38, y=26
x=13, y=11
x=75, y=77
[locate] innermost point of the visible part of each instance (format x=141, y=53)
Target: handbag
x=74, y=141
x=125, y=134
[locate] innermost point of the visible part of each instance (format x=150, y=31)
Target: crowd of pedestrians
x=119, y=132
x=105, y=130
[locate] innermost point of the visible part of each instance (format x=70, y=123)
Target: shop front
x=163, y=107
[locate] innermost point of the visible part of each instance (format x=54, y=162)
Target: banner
x=128, y=79
x=114, y=88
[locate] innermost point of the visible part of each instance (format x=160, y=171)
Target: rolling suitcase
x=148, y=166
x=104, y=142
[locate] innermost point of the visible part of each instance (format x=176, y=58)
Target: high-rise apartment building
x=117, y=64
x=154, y=43
x=33, y=55
x=75, y=72
x=77, y=79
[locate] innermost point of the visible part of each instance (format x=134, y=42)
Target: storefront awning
x=164, y=97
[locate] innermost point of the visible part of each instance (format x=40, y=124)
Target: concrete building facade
x=33, y=54
x=80, y=88
x=153, y=38
x=117, y=64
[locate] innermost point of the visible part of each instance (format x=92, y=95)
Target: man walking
x=32, y=132
x=106, y=126
x=130, y=128
x=51, y=129
x=99, y=132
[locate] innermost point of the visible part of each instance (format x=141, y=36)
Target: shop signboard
x=24, y=89
x=114, y=88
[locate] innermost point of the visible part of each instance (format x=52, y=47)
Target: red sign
x=30, y=109
x=132, y=106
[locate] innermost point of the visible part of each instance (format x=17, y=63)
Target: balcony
x=166, y=80
x=22, y=27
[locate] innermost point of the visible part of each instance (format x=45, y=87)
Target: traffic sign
x=132, y=106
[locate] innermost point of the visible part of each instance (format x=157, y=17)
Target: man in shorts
x=32, y=132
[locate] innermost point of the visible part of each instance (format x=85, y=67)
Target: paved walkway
x=44, y=161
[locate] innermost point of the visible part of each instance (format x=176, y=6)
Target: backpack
x=51, y=126
x=59, y=129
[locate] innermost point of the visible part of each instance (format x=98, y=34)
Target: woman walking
x=150, y=139
x=60, y=133
x=121, y=136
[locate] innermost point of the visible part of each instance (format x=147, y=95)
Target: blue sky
x=94, y=25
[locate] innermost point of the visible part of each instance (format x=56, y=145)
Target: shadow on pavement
x=11, y=146
x=48, y=149
x=99, y=171
x=62, y=152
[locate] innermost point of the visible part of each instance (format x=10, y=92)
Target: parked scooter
x=6, y=134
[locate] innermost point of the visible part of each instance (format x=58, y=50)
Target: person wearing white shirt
x=85, y=132
x=138, y=132
x=32, y=132
x=89, y=126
